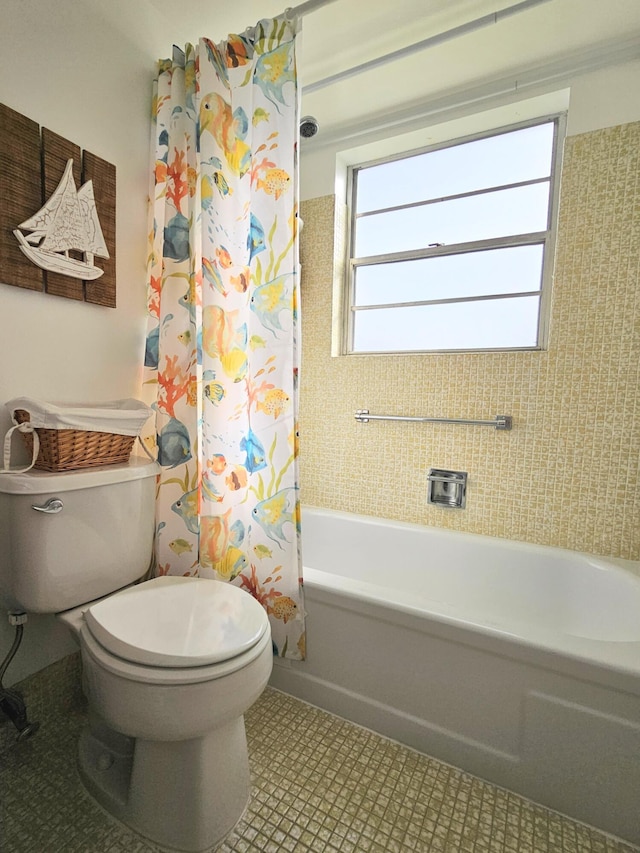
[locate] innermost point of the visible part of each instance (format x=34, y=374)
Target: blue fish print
x=273, y=70
x=274, y=512
x=151, y=350
x=188, y=301
x=255, y=452
x=270, y=299
x=241, y=122
x=187, y=508
x=176, y=238
x=209, y=490
x=255, y=239
x=218, y=61
x=212, y=275
x=174, y=446
x=236, y=533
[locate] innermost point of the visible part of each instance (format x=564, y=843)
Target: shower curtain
x=221, y=359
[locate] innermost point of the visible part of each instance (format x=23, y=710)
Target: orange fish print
x=283, y=608
x=224, y=258
x=214, y=538
x=228, y=129
x=237, y=51
x=217, y=537
x=237, y=479
x=224, y=340
x=240, y=282
x=273, y=403
x=275, y=182
x=294, y=440
x=217, y=463
x=161, y=171
x=192, y=180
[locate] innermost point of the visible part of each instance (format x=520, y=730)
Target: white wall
x=66, y=67
x=84, y=70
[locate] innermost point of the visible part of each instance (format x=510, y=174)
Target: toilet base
x=183, y=795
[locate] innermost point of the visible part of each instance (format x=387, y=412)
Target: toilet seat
x=171, y=676
x=177, y=623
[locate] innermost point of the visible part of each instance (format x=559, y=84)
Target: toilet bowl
x=170, y=665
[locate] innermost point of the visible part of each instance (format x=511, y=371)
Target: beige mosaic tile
x=319, y=783
x=568, y=473
x=53, y=690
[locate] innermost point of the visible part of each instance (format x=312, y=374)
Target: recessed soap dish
x=447, y=488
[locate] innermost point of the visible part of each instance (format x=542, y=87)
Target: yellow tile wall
x=567, y=474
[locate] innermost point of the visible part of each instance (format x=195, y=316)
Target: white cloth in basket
x=122, y=417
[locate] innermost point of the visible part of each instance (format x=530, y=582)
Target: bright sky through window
x=449, y=246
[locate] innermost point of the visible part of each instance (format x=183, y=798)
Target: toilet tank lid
x=178, y=622
x=45, y=482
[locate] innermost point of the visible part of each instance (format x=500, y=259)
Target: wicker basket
x=69, y=449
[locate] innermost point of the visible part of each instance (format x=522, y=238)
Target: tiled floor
x=319, y=784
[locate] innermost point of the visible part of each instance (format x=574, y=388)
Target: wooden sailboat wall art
x=68, y=220
x=55, y=237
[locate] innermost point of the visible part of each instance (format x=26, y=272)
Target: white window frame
x=547, y=238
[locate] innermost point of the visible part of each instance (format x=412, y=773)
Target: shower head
x=308, y=127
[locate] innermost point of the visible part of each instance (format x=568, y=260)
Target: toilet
x=170, y=665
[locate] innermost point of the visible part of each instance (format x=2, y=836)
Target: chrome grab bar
x=363, y=416
x=52, y=505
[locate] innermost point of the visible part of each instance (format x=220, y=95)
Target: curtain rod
x=308, y=7
x=463, y=29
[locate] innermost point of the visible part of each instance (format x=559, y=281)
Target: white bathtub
x=515, y=662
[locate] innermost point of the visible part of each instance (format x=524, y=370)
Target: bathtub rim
x=612, y=663
x=631, y=567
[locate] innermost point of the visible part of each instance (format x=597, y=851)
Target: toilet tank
x=99, y=541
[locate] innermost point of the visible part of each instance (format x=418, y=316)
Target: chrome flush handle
x=52, y=505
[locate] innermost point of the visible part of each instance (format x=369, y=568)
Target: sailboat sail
x=68, y=220
x=67, y=228
x=42, y=220
x=95, y=237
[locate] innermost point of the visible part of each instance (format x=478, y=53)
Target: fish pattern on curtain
x=221, y=360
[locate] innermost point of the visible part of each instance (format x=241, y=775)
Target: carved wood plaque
x=57, y=214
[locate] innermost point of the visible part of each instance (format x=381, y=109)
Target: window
x=451, y=248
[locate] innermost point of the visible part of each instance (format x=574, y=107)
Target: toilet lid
x=177, y=622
